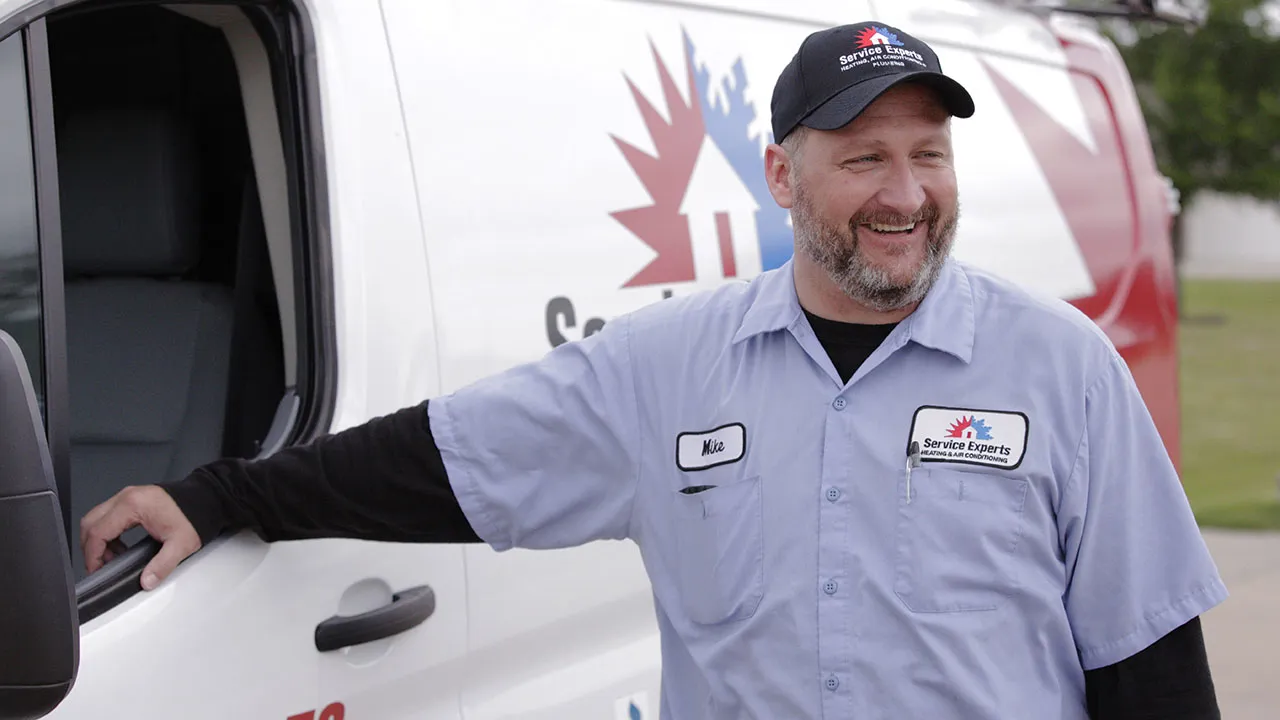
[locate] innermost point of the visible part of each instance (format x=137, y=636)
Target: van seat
x=148, y=348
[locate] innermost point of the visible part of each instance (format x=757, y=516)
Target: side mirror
x=39, y=627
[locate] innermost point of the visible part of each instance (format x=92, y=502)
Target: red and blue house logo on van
x=877, y=36
x=688, y=147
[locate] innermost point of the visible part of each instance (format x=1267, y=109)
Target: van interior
x=178, y=254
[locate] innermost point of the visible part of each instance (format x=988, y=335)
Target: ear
x=777, y=172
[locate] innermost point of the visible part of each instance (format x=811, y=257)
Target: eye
x=862, y=160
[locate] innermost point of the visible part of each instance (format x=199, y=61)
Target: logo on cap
x=877, y=36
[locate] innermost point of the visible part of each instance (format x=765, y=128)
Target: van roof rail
x=1165, y=11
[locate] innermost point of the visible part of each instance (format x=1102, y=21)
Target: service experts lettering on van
x=711, y=218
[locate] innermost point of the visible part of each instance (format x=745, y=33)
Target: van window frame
x=33, y=39
x=49, y=238
x=295, y=81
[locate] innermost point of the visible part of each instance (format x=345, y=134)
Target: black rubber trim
x=407, y=610
x=52, y=295
x=116, y=582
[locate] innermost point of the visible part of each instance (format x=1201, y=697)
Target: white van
x=230, y=226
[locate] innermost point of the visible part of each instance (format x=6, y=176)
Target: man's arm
x=542, y=455
x=1170, y=680
x=1139, y=573
x=382, y=480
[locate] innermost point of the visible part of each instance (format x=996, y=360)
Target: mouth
x=894, y=234
x=882, y=229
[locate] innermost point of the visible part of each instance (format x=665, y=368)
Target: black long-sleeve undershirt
x=385, y=480
x=382, y=480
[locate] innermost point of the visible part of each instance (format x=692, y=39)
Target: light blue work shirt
x=1043, y=533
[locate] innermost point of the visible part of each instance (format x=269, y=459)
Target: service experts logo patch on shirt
x=994, y=438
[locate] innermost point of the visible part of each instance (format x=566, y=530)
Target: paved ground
x=1243, y=633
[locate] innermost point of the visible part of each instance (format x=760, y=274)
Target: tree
x=1211, y=97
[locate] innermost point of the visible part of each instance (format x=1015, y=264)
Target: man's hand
x=157, y=513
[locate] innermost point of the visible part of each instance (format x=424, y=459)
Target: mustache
x=883, y=216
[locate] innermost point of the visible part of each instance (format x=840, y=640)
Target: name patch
x=994, y=438
x=702, y=450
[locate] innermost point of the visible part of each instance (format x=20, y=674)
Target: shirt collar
x=944, y=320
x=775, y=305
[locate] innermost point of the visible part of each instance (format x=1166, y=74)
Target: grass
x=1230, y=365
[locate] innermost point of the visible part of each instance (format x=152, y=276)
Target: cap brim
x=846, y=105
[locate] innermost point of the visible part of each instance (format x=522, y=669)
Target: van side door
x=141, y=148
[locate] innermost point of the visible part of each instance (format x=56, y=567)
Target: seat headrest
x=130, y=200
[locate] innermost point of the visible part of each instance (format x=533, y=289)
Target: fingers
x=104, y=524
x=157, y=513
x=93, y=516
x=115, y=548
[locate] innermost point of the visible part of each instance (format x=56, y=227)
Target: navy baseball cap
x=838, y=72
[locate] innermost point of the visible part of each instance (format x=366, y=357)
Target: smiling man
x=902, y=214
x=873, y=483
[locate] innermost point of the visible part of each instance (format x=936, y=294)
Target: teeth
x=891, y=228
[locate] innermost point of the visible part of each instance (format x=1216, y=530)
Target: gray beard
x=836, y=250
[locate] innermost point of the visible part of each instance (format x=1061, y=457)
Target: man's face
x=874, y=204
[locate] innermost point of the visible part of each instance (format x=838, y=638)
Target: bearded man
x=872, y=483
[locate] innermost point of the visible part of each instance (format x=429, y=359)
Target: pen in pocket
x=913, y=461
x=696, y=489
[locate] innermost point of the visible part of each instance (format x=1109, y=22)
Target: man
x=874, y=483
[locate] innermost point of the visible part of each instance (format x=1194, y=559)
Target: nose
x=902, y=191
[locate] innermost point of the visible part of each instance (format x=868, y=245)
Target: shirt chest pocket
x=958, y=539
x=720, y=546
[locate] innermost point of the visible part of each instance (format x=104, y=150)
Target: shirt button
x=833, y=494
x=840, y=403
x=833, y=683
x=830, y=587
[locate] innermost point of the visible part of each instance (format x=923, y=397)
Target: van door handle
x=407, y=609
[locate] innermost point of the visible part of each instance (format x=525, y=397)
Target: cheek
x=845, y=199
x=942, y=188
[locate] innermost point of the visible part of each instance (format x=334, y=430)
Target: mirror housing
x=39, y=626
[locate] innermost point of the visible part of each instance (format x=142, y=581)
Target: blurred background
x=1210, y=91
x=1211, y=95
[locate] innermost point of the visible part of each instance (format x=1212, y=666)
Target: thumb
x=164, y=521
x=174, y=550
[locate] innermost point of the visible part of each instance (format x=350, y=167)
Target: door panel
x=231, y=633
